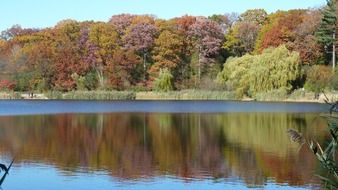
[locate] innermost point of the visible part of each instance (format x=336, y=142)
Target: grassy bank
x=92, y=95
x=10, y=95
x=125, y=95
x=186, y=95
x=277, y=95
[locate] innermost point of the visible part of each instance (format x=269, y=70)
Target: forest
x=248, y=53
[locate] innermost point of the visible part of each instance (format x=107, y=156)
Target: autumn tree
x=167, y=52
x=17, y=57
x=122, y=70
x=305, y=41
x=140, y=37
x=103, y=41
x=258, y=16
x=241, y=38
x=318, y=78
x=184, y=24
x=16, y=30
x=232, y=18
x=225, y=21
x=2, y=47
x=207, y=37
x=39, y=55
x=131, y=50
x=279, y=29
x=121, y=22
x=66, y=55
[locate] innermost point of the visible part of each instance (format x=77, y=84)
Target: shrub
x=92, y=95
x=318, y=78
x=334, y=81
x=79, y=80
x=28, y=81
x=90, y=80
x=87, y=82
x=187, y=95
x=10, y=95
x=164, y=81
x=99, y=95
x=297, y=94
x=54, y=95
x=23, y=81
x=272, y=95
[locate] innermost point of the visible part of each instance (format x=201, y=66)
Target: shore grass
x=92, y=95
x=277, y=95
x=186, y=95
x=10, y=95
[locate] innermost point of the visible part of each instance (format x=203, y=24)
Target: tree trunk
x=334, y=50
x=100, y=78
x=199, y=65
x=144, y=67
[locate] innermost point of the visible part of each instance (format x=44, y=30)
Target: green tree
x=235, y=74
x=164, y=81
x=275, y=68
x=79, y=81
x=326, y=33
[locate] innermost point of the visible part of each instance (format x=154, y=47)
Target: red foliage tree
x=281, y=28
x=7, y=85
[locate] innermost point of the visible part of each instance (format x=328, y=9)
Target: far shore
x=173, y=95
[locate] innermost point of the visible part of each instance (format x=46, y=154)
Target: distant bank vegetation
x=253, y=55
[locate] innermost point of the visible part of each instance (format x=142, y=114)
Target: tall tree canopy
x=327, y=30
x=129, y=51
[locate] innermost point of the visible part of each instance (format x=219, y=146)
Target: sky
x=46, y=13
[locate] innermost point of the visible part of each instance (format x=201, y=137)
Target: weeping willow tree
x=235, y=74
x=275, y=68
x=164, y=81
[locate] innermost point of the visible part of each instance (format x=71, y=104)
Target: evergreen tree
x=326, y=33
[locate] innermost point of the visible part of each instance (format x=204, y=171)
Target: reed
x=186, y=95
x=92, y=95
x=272, y=95
x=325, y=155
x=10, y=95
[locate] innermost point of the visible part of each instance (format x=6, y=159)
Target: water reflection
x=252, y=147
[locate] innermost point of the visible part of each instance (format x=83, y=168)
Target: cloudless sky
x=46, y=13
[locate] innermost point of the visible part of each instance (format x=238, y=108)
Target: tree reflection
x=252, y=146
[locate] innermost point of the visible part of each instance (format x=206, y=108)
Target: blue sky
x=46, y=13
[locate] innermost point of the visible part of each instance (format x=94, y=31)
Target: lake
x=159, y=144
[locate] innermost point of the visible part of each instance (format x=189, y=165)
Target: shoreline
x=162, y=96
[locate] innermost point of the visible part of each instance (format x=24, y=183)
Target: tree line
x=249, y=53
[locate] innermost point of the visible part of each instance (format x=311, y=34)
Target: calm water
x=158, y=145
